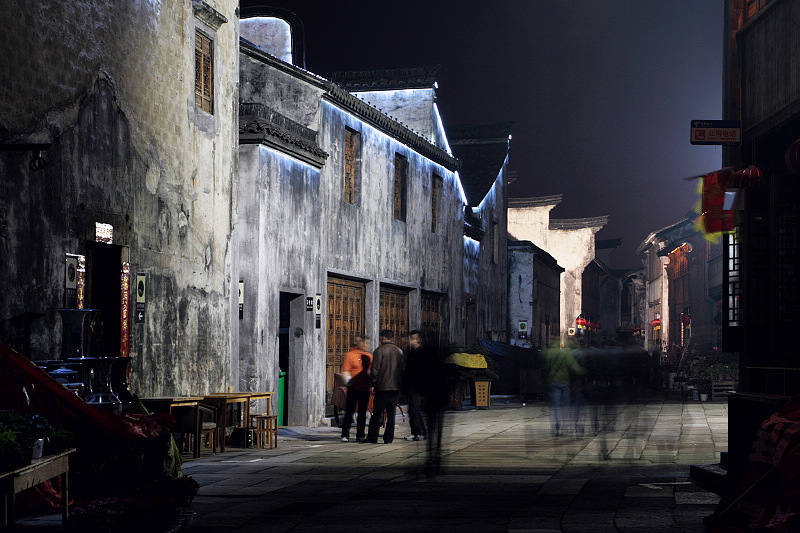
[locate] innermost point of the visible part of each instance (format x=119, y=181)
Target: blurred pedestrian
x=386, y=376
x=560, y=366
x=417, y=377
x=356, y=363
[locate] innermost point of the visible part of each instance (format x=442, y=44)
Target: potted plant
x=21, y=438
x=705, y=390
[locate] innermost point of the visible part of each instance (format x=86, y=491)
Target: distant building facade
x=570, y=241
x=534, y=295
x=684, y=290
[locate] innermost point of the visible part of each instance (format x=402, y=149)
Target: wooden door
x=394, y=314
x=345, y=321
x=431, y=324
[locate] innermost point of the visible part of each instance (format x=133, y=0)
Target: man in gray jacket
x=386, y=375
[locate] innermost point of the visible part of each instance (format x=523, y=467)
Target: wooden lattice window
x=431, y=323
x=204, y=72
x=393, y=313
x=436, y=202
x=352, y=148
x=400, y=179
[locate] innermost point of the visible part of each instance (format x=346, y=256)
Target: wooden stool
x=210, y=429
x=266, y=427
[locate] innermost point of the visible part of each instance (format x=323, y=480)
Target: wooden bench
x=15, y=481
x=721, y=389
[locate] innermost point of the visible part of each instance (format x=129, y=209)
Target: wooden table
x=222, y=400
x=261, y=396
x=165, y=404
x=15, y=481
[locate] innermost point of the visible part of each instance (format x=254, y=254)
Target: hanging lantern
x=715, y=218
x=792, y=157
x=747, y=177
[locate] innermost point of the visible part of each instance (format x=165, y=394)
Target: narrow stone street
x=502, y=470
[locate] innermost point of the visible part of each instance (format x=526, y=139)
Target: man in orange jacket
x=357, y=362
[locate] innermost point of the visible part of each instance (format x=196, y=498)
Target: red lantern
x=746, y=177
x=792, y=157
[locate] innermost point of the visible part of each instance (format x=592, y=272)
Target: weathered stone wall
x=280, y=90
x=521, y=293
x=113, y=91
x=534, y=294
x=492, y=289
x=295, y=230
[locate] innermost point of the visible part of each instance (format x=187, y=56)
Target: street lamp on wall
x=37, y=162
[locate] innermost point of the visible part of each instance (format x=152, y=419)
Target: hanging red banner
x=715, y=218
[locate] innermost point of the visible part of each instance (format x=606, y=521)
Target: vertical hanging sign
x=71, y=282
x=141, y=290
x=125, y=333
x=241, y=299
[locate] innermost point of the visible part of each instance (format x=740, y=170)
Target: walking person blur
x=356, y=363
x=417, y=383
x=386, y=376
x=560, y=366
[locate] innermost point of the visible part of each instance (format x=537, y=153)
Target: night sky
x=601, y=92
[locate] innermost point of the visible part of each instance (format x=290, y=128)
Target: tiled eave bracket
x=213, y=18
x=343, y=99
x=538, y=201
x=474, y=233
x=578, y=223
x=259, y=124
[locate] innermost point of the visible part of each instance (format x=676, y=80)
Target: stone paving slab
x=501, y=470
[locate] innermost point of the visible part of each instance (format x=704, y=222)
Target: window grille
x=734, y=280
x=204, y=72
x=400, y=179
x=436, y=202
x=350, y=137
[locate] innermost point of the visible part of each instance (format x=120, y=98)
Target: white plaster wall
x=530, y=223
x=573, y=249
x=270, y=34
x=413, y=108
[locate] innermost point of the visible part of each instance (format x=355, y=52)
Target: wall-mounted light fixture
x=37, y=162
